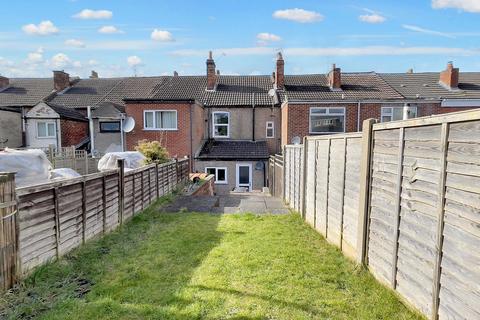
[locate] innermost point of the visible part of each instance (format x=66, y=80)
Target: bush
x=153, y=151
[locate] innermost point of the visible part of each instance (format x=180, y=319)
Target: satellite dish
x=271, y=92
x=128, y=124
x=296, y=140
x=259, y=165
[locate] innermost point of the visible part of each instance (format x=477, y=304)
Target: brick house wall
x=73, y=132
x=179, y=143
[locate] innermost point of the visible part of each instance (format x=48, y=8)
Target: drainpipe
x=253, y=116
x=358, y=115
x=90, y=126
x=24, y=128
x=191, y=139
x=122, y=133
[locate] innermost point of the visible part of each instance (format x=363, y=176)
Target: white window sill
x=221, y=182
x=147, y=129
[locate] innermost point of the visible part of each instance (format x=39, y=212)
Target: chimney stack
x=61, y=80
x=175, y=73
x=449, y=77
x=280, y=73
x=410, y=70
x=335, y=78
x=94, y=75
x=218, y=72
x=211, y=74
x=4, y=82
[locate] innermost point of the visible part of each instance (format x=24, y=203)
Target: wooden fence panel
x=351, y=195
x=384, y=189
x=335, y=191
x=310, y=149
x=8, y=231
x=460, y=274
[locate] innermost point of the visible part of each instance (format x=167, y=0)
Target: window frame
x=222, y=124
x=327, y=113
x=46, y=128
x=273, y=129
x=154, y=128
x=384, y=114
x=216, y=174
x=109, y=131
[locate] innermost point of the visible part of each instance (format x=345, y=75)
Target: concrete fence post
x=121, y=189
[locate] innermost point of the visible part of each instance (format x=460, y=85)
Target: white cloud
x=109, y=30
x=337, y=51
x=427, y=31
x=88, y=14
x=58, y=61
x=298, y=15
x=92, y=62
x=75, y=43
x=464, y=5
x=265, y=36
x=5, y=63
x=372, y=18
x=35, y=57
x=134, y=61
x=44, y=28
x=162, y=36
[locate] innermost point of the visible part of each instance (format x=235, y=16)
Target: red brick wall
x=178, y=142
x=73, y=132
x=296, y=119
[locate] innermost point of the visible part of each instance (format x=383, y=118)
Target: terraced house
x=228, y=124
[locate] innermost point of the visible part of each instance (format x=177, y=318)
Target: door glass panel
x=244, y=175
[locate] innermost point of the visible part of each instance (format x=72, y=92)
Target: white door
x=244, y=175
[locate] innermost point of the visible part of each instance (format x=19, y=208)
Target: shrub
x=153, y=151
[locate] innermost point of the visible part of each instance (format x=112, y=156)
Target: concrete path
x=232, y=203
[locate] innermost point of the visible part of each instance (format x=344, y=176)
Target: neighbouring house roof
x=229, y=91
x=68, y=113
x=355, y=86
x=26, y=92
x=233, y=149
x=426, y=85
x=108, y=110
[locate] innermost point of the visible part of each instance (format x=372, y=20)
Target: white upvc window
x=221, y=124
x=160, y=120
x=219, y=173
x=327, y=120
x=398, y=113
x=270, y=129
x=46, y=129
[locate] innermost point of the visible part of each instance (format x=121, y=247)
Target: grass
x=204, y=266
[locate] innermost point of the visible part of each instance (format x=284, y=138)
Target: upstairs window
x=398, y=113
x=110, y=126
x=46, y=129
x=221, y=124
x=327, y=120
x=270, y=129
x=219, y=173
x=160, y=120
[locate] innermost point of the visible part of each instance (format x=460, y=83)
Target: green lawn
x=202, y=266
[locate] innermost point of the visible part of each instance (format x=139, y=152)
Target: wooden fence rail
x=402, y=198
x=54, y=218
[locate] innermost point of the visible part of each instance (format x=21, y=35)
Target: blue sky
x=126, y=37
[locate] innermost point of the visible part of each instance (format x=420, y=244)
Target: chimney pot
x=211, y=74
x=175, y=73
x=449, y=77
x=335, y=78
x=94, y=75
x=61, y=80
x=410, y=70
x=280, y=72
x=4, y=82
x=218, y=72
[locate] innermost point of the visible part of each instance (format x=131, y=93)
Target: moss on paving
x=204, y=266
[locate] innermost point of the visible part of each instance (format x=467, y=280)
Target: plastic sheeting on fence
x=31, y=166
x=63, y=173
x=133, y=160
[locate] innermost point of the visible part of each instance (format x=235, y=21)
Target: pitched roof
x=234, y=149
x=426, y=85
x=68, y=113
x=230, y=90
x=355, y=86
x=26, y=92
